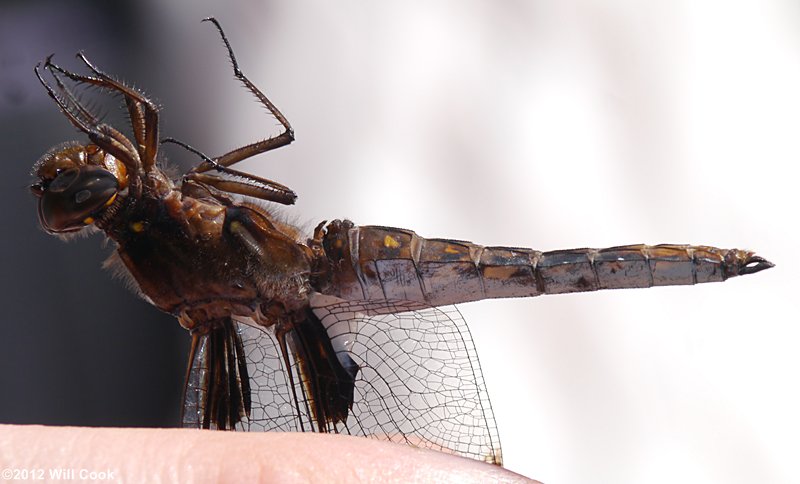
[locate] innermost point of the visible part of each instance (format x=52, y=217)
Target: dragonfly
x=352, y=330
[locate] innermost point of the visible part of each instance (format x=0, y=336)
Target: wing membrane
x=419, y=379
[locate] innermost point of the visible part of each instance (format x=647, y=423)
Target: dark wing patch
x=270, y=399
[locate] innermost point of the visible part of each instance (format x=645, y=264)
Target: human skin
x=184, y=455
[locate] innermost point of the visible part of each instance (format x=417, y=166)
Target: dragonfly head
x=75, y=184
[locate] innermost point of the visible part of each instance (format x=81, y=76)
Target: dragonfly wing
x=278, y=401
x=419, y=380
x=216, y=392
x=255, y=370
x=193, y=406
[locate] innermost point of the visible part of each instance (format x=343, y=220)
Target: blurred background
x=545, y=124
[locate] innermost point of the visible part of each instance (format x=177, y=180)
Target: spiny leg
x=71, y=99
x=108, y=138
x=68, y=106
x=254, y=187
x=89, y=124
x=142, y=111
x=249, y=185
x=141, y=108
x=54, y=68
x=239, y=154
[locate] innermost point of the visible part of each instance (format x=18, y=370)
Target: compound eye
x=63, y=180
x=75, y=197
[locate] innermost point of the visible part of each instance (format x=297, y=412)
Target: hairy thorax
x=202, y=260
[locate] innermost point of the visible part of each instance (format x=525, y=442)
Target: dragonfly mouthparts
x=753, y=264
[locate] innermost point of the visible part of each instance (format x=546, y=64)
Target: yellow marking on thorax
x=137, y=227
x=90, y=220
x=390, y=243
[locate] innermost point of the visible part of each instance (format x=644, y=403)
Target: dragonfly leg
x=108, y=138
x=143, y=112
x=239, y=154
x=242, y=183
x=251, y=186
x=86, y=115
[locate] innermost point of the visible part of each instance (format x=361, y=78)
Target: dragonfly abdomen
x=389, y=263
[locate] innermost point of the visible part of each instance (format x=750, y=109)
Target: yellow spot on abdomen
x=390, y=242
x=450, y=250
x=137, y=227
x=88, y=220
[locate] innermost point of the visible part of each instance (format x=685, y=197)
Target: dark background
x=77, y=347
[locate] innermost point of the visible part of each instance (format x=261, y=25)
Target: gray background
x=549, y=124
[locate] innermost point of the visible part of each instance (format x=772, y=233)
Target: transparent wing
x=267, y=386
x=419, y=380
x=273, y=402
